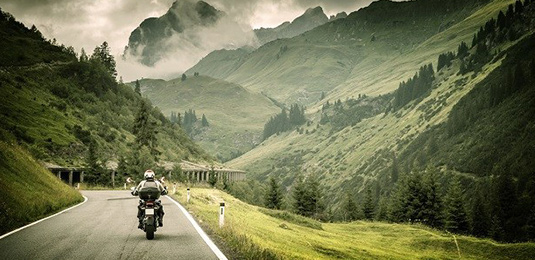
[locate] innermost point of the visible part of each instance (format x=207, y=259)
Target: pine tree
x=212, y=178
x=138, y=87
x=455, y=214
x=178, y=174
x=273, y=195
x=368, y=207
x=313, y=197
x=530, y=225
x=496, y=228
x=145, y=129
x=102, y=55
x=501, y=20
x=306, y=196
x=479, y=217
x=204, y=121
x=395, y=210
x=381, y=213
x=299, y=196
x=505, y=201
x=297, y=115
x=414, y=199
x=122, y=168
x=509, y=16
x=519, y=7
x=463, y=69
x=408, y=200
x=226, y=183
x=444, y=60
x=433, y=205
x=474, y=40
x=462, y=50
x=83, y=56
x=94, y=169
x=350, y=208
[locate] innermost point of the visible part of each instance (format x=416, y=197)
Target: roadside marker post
x=174, y=188
x=221, y=214
x=187, y=200
x=125, y=185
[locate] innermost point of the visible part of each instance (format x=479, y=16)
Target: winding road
x=105, y=227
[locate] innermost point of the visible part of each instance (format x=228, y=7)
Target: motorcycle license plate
x=149, y=211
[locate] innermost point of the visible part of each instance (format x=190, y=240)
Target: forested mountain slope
x=468, y=118
x=56, y=106
x=234, y=115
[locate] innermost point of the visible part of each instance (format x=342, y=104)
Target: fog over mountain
x=165, y=47
x=87, y=23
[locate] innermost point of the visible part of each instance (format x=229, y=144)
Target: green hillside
x=56, y=105
x=474, y=125
x=337, y=151
x=220, y=63
x=235, y=115
x=28, y=190
x=385, y=77
x=300, y=68
x=256, y=233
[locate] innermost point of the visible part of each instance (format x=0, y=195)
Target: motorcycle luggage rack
x=149, y=193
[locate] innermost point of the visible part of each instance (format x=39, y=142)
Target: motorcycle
x=149, y=208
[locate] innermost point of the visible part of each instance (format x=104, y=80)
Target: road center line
x=199, y=230
x=43, y=219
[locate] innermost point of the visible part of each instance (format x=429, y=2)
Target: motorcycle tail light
x=150, y=203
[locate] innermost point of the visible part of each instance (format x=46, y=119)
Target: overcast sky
x=88, y=23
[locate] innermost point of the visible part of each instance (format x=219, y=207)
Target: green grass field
x=259, y=233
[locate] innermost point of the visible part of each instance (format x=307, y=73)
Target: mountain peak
x=314, y=11
x=311, y=18
x=148, y=40
x=338, y=16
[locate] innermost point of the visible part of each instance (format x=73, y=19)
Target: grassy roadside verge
x=255, y=233
x=28, y=191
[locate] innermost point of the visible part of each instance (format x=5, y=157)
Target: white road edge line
x=201, y=232
x=43, y=219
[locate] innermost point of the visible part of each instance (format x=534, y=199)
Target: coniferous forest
x=500, y=202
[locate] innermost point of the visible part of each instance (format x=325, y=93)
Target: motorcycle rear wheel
x=149, y=232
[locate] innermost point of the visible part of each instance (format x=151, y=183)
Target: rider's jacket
x=147, y=184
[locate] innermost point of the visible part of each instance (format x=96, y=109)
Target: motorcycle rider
x=149, y=181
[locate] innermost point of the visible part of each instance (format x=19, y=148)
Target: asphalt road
x=105, y=227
